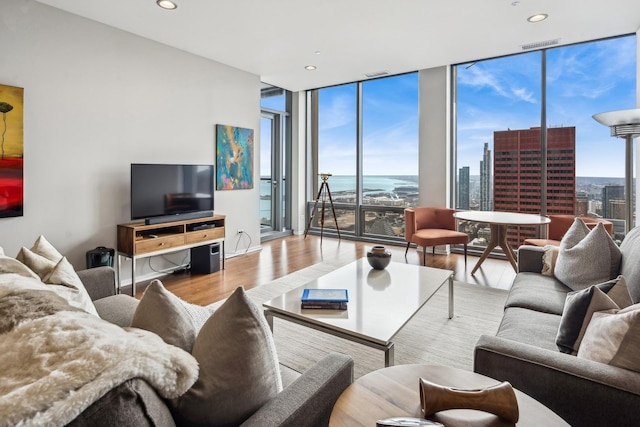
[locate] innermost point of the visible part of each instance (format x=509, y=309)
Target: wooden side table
x=394, y=392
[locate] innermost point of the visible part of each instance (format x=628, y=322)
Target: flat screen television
x=164, y=192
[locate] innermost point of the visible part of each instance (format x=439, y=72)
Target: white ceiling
x=276, y=39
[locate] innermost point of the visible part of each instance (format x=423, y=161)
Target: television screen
x=164, y=190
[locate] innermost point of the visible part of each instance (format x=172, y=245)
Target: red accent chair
x=427, y=226
x=560, y=224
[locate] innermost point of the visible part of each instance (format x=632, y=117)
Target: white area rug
x=429, y=337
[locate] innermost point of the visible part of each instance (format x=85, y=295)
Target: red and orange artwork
x=11, y=151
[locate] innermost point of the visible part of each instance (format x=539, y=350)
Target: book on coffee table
x=328, y=299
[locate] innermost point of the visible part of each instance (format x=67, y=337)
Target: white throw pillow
x=57, y=272
x=587, y=257
x=63, y=274
x=613, y=337
x=46, y=249
x=549, y=258
x=40, y=265
x=12, y=265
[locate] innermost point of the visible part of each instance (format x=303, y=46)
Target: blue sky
x=582, y=80
x=390, y=127
x=493, y=95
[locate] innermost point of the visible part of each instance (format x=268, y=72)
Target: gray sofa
x=524, y=352
x=307, y=399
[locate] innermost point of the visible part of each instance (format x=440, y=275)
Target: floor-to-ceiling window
x=389, y=153
x=498, y=106
x=583, y=80
x=337, y=155
x=525, y=137
x=367, y=139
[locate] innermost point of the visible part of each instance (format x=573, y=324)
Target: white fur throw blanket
x=56, y=360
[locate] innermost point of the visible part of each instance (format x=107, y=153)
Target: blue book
x=325, y=296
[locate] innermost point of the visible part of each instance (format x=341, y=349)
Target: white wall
x=299, y=163
x=98, y=99
x=434, y=135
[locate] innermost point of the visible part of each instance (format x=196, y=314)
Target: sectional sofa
x=524, y=350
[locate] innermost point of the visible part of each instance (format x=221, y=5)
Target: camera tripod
x=324, y=194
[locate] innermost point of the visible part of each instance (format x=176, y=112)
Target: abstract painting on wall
x=234, y=158
x=11, y=151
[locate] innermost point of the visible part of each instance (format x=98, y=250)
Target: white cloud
x=339, y=112
x=478, y=78
x=524, y=95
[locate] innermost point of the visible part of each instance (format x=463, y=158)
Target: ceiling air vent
x=538, y=45
x=377, y=74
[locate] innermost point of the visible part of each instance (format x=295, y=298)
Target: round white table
x=498, y=222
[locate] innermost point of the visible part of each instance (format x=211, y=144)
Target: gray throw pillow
x=586, y=257
x=579, y=306
x=239, y=370
x=162, y=313
x=630, y=265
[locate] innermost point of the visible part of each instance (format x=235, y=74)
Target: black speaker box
x=205, y=259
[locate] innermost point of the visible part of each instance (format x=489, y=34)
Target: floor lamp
x=624, y=124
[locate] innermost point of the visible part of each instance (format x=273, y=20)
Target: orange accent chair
x=560, y=224
x=427, y=226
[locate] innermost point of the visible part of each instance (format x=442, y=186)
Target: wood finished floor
x=283, y=256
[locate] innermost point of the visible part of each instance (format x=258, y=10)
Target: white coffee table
x=381, y=302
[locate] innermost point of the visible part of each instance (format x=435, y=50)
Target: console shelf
x=138, y=240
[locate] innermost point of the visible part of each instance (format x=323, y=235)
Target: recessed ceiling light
x=310, y=67
x=166, y=4
x=538, y=17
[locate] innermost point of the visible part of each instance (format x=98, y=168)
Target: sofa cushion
x=530, y=327
x=176, y=321
x=587, y=257
x=239, y=370
x=578, y=309
x=537, y=292
x=162, y=313
x=630, y=264
x=613, y=337
x=117, y=309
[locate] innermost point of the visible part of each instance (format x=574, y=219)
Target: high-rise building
x=609, y=193
x=582, y=204
x=517, y=174
x=486, y=203
x=616, y=209
x=463, y=188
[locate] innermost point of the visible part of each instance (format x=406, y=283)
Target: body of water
x=393, y=186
